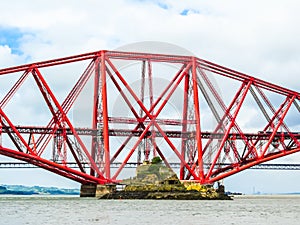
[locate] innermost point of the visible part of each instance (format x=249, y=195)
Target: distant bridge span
x=127, y=107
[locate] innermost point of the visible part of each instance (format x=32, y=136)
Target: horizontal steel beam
x=170, y=133
x=269, y=166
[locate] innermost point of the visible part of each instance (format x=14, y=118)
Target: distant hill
x=35, y=190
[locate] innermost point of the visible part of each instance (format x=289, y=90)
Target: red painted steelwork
x=204, y=155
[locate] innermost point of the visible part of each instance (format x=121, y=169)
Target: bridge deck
x=170, y=133
x=265, y=166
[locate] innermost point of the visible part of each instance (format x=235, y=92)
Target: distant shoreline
x=41, y=191
x=35, y=190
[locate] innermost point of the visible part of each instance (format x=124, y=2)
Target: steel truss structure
x=149, y=127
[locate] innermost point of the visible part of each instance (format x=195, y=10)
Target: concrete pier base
x=92, y=190
x=88, y=190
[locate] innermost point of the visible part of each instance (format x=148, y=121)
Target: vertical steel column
x=197, y=117
x=95, y=114
x=184, y=124
x=143, y=146
x=151, y=103
x=105, y=116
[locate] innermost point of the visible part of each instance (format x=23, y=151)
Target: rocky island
x=154, y=180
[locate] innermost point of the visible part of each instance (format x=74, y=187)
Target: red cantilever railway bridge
x=144, y=105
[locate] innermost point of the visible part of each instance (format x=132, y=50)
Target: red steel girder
x=224, y=150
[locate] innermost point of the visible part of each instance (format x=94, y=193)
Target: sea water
x=54, y=210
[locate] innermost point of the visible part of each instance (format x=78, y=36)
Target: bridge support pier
x=88, y=190
x=94, y=190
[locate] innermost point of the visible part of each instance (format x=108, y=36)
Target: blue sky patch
x=162, y=5
x=185, y=12
x=11, y=37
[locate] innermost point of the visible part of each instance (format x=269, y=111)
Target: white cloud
x=256, y=37
x=6, y=56
x=242, y=35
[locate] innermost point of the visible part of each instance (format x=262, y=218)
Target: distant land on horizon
x=41, y=190
x=35, y=190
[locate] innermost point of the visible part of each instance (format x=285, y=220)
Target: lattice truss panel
x=113, y=108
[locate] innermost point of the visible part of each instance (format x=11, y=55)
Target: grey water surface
x=267, y=209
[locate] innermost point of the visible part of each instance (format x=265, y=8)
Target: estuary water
x=58, y=210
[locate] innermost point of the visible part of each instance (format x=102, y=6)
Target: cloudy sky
x=260, y=38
